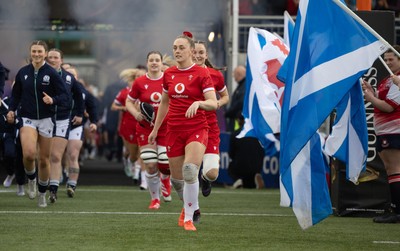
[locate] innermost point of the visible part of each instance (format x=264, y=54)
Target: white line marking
x=244, y=192
x=143, y=213
x=386, y=242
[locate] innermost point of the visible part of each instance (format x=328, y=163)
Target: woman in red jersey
x=386, y=103
x=127, y=127
x=188, y=92
x=148, y=89
x=211, y=157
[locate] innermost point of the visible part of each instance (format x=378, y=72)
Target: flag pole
x=386, y=66
x=365, y=25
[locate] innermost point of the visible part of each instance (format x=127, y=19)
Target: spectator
x=292, y=6
x=2, y=80
x=381, y=5
x=245, y=7
x=234, y=110
x=246, y=160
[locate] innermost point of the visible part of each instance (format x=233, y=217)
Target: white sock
x=190, y=199
x=143, y=179
x=153, y=184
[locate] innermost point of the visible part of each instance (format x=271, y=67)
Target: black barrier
x=371, y=195
x=366, y=199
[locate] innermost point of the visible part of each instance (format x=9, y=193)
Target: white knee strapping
x=162, y=155
x=190, y=173
x=210, y=161
x=148, y=155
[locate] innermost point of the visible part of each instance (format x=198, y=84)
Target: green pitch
x=117, y=218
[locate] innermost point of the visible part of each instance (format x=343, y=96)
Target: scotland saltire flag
x=329, y=52
x=288, y=28
x=262, y=103
x=348, y=141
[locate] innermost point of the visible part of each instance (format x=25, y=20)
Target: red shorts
x=177, y=141
x=213, y=139
x=142, y=135
x=127, y=131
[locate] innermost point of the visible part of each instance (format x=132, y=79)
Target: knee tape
x=148, y=155
x=162, y=155
x=73, y=170
x=190, y=173
x=177, y=184
x=210, y=161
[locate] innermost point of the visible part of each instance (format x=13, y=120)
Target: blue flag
x=348, y=140
x=288, y=28
x=329, y=52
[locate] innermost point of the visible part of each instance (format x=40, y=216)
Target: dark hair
x=154, y=52
x=190, y=40
x=40, y=42
x=59, y=51
x=397, y=48
x=207, y=61
x=141, y=67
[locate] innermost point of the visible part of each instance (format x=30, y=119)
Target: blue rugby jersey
x=27, y=93
x=75, y=98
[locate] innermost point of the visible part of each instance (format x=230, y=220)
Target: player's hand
x=10, y=117
x=77, y=120
x=395, y=79
x=192, y=110
x=47, y=99
x=152, y=137
x=93, y=127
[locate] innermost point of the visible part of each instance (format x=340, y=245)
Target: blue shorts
x=388, y=141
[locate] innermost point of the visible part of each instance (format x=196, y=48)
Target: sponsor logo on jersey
x=155, y=97
x=179, y=88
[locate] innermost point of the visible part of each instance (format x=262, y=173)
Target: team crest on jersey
x=155, y=97
x=46, y=80
x=190, y=77
x=146, y=86
x=173, y=76
x=25, y=77
x=179, y=88
x=68, y=79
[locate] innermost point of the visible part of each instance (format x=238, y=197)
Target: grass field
x=117, y=218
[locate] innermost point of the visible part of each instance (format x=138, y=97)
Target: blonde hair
x=128, y=75
x=168, y=60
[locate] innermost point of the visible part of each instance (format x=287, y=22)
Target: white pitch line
x=249, y=192
x=386, y=242
x=143, y=213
